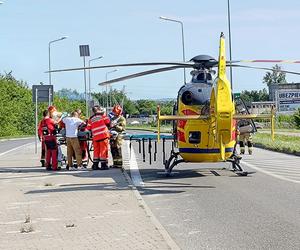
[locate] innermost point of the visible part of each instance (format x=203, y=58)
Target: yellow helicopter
x=205, y=115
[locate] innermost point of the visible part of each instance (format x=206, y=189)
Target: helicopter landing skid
x=236, y=167
x=172, y=162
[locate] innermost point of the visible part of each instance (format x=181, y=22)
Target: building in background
x=286, y=96
x=261, y=107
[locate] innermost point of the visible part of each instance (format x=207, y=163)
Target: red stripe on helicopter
x=182, y=123
x=233, y=133
x=180, y=136
x=274, y=61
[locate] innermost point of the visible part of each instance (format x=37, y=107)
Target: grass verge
x=283, y=143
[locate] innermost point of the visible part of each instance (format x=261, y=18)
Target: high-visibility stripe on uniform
x=100, y=132
x=99, y=128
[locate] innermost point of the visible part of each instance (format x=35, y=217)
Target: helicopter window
x=195, y=137
x=208, y=77
x=201, y=76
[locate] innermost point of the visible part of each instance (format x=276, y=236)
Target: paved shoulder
x=70, y=210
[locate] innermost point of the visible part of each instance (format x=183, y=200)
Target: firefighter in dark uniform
x=118, y=124
x=245, y=131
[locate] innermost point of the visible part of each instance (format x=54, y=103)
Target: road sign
x=42, y=93
x=288, y=100
x=84, y=50
x=236, y=95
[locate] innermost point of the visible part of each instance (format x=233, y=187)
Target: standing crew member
x=42, y=131
x=245, y=130
x=98, y=124
x=50, y=128
x=56, y=116
x=72, y=123
x=118, y=124
x=83, y=143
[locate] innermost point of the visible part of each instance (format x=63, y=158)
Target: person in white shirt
x=72, y=123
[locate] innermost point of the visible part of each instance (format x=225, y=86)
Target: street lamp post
x=106, y=74
x=182, y=39
x=97, y=58
x=49, y=54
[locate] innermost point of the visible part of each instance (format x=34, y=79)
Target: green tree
x=17, y=111
x=255, y=95
x=116, y=97
x=275, y=77
x=15, y=105
x=70, y=94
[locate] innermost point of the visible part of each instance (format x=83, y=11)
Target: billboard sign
x=42, y=93
x=288, y=100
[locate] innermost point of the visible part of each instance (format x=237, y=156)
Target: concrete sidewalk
x=71, y=210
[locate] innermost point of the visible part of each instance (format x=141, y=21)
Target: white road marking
x=13, y=149
x=134, y=168
x=269, y=173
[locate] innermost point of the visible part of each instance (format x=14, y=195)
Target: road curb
x=171, y=243
x=17, y=139
x=262, y=146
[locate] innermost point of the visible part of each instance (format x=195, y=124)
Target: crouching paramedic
x=118, y=124
x=99, y=124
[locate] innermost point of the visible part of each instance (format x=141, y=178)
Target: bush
x=17, y=111
x=296, y=118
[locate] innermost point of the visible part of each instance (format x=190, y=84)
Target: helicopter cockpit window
x=195, y=137
x=201, y=77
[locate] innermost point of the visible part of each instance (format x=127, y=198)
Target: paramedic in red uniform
x=42, y=131
x=98, y=124
x=51, y=144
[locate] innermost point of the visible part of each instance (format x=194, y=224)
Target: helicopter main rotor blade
x=263, y=68
x=144, y=73
x=266, y=61
x=183, y=64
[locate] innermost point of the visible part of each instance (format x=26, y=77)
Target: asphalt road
x=204, y=209
x=206, y=206
x=6, y=145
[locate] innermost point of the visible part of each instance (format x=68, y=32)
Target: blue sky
x=130, y=31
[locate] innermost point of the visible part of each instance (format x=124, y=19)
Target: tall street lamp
x=94, y=59
x=182, y=39
x=106, y=74
x=49, y=54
